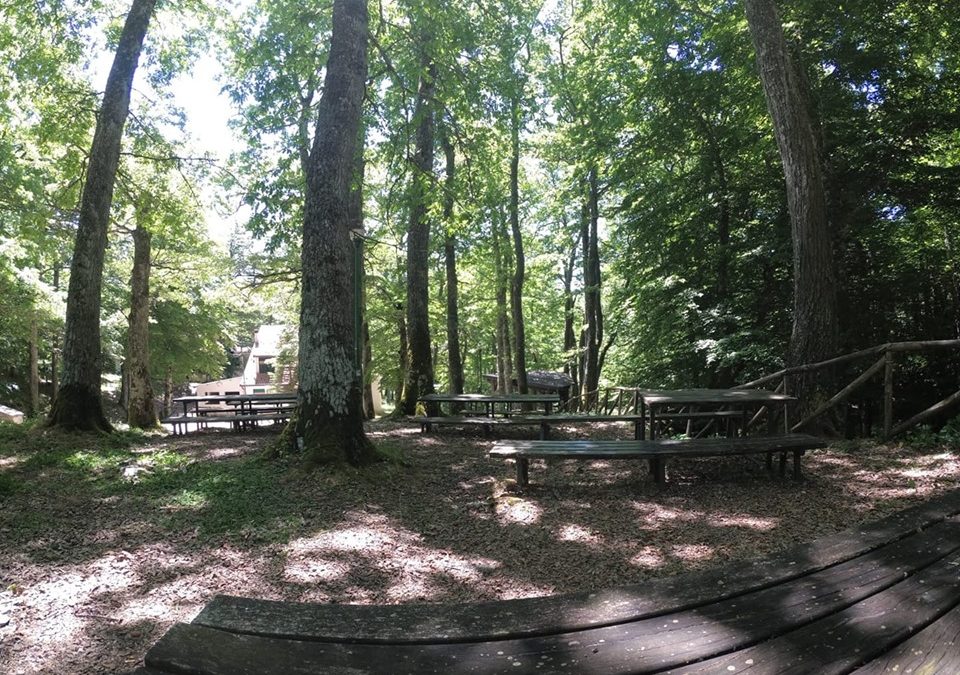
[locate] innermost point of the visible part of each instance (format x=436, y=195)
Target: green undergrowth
x=240, y=497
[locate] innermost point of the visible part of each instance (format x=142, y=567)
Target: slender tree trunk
x=141, y=412
x=79, y=405
x=454, y=358
x=167, y=393
x=569, y=333
x=355, y=216
x=34, y=365
x=504, y=360
x=328, y=427
x=519, y=265
x=593, y=314
x=815, y=335
x=404, y=353
x=420, y=376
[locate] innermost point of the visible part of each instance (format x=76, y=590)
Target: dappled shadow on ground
x=98, y=561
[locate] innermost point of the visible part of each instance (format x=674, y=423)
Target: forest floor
x=104, y=543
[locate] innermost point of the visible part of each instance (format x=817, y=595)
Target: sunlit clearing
x=649, y=557
x=516, y=510
x=578, y=533
x=747, y=522
x=374, y=546
x=220, y=453
x=692, y=552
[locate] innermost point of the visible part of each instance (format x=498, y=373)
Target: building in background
x=264, y=371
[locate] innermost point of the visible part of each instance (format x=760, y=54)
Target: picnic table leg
x=769, y=461
x=643, y=419
x=544, y=431
x=797, y=454
x=523, y=472
x=783, y=464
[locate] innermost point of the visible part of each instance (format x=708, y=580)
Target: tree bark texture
x=454, y=358
x=141, y=412
x=519, y=264
x=814, y=336
x=79, y=405
x=329, y=421
x=419, y=378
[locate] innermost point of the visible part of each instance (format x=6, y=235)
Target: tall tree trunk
x=504, y=349
x=329, y=423
x=404, y=353
x=519, y=263
x=570, y=366
x=79, y=405
x=454, y=358
x=141, y=412
x=815, y=334
x=34, y=365
x=419, y=379
x=355, y=215
x=167, y=393
x=593, y=315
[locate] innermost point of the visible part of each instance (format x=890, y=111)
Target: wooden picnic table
x=721, y=401
x=247, y=403
x=245, y=410
x=490, y=401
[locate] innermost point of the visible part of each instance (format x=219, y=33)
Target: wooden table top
x=280, y=396
x=719, y=396
x=491, y=398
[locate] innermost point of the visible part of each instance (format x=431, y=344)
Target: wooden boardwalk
x=881, y=598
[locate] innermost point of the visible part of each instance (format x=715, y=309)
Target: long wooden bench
x=882, y=597
x=658, y=451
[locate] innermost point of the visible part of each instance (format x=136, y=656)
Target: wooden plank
x=626, y=449
x=935, y=649
x=641, y=646
x=853, y=636
x=580, y=611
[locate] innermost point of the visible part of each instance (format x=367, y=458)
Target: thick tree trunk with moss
x=815, y=325
x=78, y=405
x=419, y=377
x=141, y=412
x=329, y=423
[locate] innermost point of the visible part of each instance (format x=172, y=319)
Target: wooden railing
x=624, y=400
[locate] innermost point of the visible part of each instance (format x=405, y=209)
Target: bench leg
x=544, y=431
x=769, y=461
x=523, y=472
x=658, y=469
x=783, y=464
x=797, y=454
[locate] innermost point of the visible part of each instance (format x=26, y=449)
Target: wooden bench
x=544, y=422
x=658, y=451
x=882, y=597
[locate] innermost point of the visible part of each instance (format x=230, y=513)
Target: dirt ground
x=96, y=564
